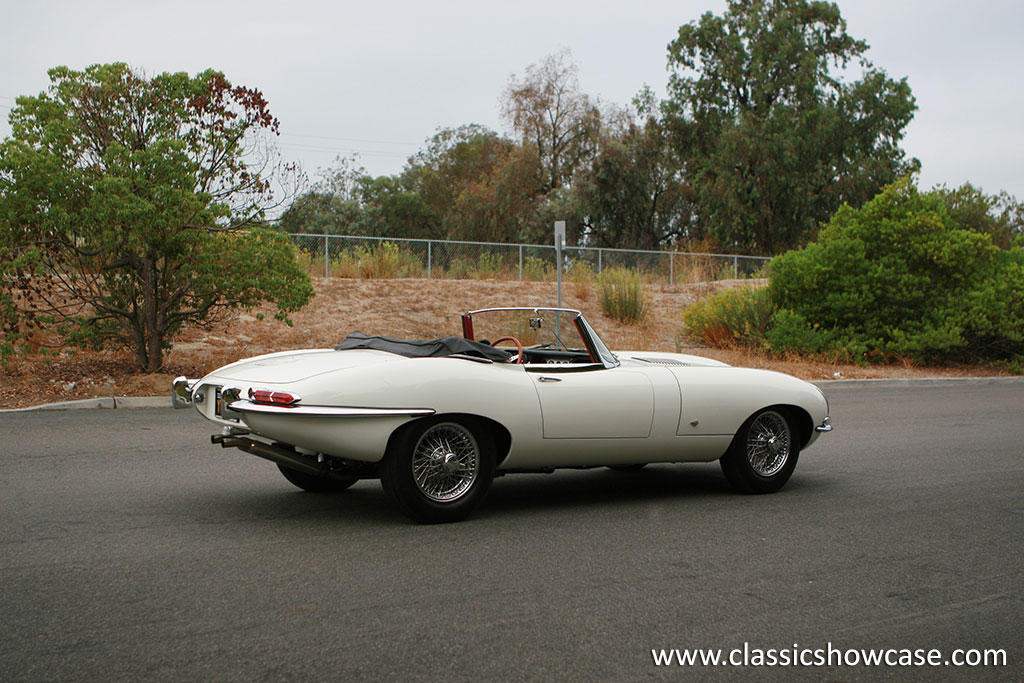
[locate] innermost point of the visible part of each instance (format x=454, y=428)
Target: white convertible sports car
x=523, y=390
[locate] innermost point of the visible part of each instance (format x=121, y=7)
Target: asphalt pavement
x=133, y=550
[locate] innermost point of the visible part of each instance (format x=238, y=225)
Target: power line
x=372, y=142
x=342, y=150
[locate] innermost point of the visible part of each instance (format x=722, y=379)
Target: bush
x=538, y=270
x=582, y=275
x=898, y=279
x=622, y=296
x=379, y=260
x=789, y=332
x=739, y=316
x=497, y=266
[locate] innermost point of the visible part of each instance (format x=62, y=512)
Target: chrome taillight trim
x=327, y=411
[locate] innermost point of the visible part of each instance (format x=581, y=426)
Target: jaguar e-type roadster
x=522, y=390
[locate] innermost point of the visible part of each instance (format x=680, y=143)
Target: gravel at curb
x=112, y=402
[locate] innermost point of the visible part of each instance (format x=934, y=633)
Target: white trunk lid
x=293, y=366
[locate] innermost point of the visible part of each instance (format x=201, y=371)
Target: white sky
x=379, y=78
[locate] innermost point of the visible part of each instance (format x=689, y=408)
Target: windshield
x=537, y=328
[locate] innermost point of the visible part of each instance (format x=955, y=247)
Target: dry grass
x=409, y=308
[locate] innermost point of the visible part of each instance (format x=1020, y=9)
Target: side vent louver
x=662, y=361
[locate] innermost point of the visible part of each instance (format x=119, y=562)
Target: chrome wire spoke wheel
x=445, y=462
x=768, y=443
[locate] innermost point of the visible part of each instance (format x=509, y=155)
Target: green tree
x=454, y=176
x=635, y=194
x=391, y=207
x=1000, y=216
x=550, y=113
x=774, y=138
x=123, y=201
x=332, y=206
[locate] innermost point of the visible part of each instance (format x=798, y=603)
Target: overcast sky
x=378, y=78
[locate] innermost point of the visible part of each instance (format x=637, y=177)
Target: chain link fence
x=391, y=257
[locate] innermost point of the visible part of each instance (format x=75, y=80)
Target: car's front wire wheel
x=439, y=470
x=763, y=453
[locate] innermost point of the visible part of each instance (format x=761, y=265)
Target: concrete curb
x=108, y=402
x=112, y=402
x=908, y=382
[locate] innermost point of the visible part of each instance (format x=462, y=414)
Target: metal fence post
x=327, y=271
x=599, y=260
x=429, y=259
x=735, y=267
x=672, y=268
x=520, y=263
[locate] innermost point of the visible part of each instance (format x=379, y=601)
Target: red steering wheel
x=515, y=341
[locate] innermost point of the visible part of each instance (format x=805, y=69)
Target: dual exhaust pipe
x=286, y=457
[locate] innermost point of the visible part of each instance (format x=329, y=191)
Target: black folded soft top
x=424, y=348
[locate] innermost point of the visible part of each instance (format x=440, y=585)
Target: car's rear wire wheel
x=445, y=462
x=439, y=470
x=763, y=454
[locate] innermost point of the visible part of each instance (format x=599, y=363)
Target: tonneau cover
x=423, y=348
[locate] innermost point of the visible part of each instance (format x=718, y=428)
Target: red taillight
x=274, y=398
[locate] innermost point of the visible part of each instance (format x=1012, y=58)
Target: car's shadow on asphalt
x=601, y=486
x=696, y=484
x=564, y=491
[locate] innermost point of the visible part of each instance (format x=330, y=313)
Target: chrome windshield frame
x=595, y=346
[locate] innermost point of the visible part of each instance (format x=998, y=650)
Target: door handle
x=548, y=379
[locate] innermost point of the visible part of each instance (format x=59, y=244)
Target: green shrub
x=582, y=275
x=739, y=316
x=460, y=269
x=789, y=332
x=497, y=266
x=622, y=295
x=538, y=270
x=380, y=260
x=898, y=278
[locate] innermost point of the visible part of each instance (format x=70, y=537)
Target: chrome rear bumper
x=825, y=426
x=181, y=393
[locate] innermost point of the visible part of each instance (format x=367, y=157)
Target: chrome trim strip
x=535, y=309
x=327, y=411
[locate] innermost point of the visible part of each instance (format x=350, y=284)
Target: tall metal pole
x=559, y=243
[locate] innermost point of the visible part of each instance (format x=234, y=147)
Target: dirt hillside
x=409, y=308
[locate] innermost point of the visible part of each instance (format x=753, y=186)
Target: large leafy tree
x=550, y=112
x=1000, y=216
x=775, y=135
x=635, y=194
x=332, y=205
x=129, y=207
x=467, y=183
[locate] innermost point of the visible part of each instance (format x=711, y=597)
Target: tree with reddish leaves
x=130, y=207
